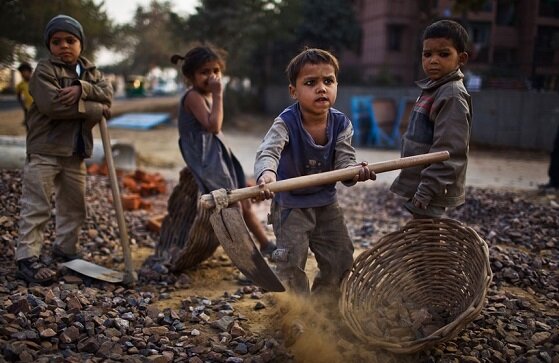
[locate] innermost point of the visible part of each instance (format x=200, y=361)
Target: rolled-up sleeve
x=269, y=152
x=345, y=153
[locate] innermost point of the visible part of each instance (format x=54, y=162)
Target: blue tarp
x=140, y=121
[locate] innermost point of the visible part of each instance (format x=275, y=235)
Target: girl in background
x=201, y=142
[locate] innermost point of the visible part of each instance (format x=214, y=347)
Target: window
x=394, y=41
x=480, y=34
x=547, y=42
x=549, y=8
x=487, y=6
x=504, y=56
x=506, y=12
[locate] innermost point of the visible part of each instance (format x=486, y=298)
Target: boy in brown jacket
x=441, y=120
x=71, y=96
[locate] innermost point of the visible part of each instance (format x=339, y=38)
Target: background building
x=514, y=43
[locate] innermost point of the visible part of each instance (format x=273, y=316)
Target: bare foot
x=33, y=270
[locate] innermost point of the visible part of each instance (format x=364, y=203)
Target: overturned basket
x=187, y=237
x=417, y=287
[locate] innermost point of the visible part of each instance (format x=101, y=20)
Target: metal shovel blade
x=95, y=271
x=232, y=232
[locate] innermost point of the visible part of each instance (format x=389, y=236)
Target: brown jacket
x=441, y=120
x=61, y=130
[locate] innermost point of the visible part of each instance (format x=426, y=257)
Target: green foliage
x=22, y=23
x=329, y=24
x=261, y=36
x=245, y=28
x=152, y=37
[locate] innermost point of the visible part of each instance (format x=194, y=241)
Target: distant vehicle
x=165, y=87
x=135, y=86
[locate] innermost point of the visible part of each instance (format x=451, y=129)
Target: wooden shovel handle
x=129, y=275
x=328, y=177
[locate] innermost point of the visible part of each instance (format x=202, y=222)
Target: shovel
x=91, y=269
x=234, y=235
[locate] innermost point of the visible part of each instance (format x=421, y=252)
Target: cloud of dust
x=309, y=330
x=315, y=332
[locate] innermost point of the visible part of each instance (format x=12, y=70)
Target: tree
x=329, y=24
x=151, y=38
x=250, y=31
x=242, y=27
x=22, y=22
x=262, y=35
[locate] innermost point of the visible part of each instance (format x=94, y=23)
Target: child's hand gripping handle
x=329, y=177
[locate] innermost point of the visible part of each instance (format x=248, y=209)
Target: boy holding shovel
x=71, y=97
x=309, y=137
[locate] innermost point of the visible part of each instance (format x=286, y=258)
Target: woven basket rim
x=382, y=250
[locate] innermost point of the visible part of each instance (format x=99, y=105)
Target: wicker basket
x=187, y=237
x=430, y=268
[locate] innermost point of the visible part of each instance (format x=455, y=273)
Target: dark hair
x=312, y=56
x=197, y=56
x=448, y=29
x=24, y=66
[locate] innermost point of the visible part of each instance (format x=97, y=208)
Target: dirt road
x=157, y=148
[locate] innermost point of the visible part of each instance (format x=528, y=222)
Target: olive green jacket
x=62, y=130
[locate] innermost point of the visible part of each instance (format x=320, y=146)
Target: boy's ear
x=292, y=92
x=462, y=58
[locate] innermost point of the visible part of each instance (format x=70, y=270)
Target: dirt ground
x=157, y=150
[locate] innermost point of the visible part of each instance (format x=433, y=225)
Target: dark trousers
x=553, y=171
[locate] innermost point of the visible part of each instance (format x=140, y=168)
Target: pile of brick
x=135, y=187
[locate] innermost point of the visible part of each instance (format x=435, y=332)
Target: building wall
x=376, y=17
x=508, y=49
x=504, y=118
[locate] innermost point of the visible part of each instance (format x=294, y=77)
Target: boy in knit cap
x=70, y=98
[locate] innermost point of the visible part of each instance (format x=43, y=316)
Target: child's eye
x=309, y=83
x=445, y=54
x=426, y=54
x=329, y=81
x=71, y=40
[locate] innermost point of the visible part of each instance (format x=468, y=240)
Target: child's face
x=440, y=58
x=203, y=75
x=316, y=88
x=26, y=74
x=65, y=46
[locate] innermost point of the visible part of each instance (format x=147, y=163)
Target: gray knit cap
x=66, y=24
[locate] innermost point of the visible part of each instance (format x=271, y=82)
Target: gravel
x=204, y=315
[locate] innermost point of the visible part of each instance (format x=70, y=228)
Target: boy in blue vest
x=309, y=137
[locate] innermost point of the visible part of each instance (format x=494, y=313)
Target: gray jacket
x=269, y=152
x=441, y=120
x=62, y=130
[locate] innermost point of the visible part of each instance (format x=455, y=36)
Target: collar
x=84, y=63
x=427, y=84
